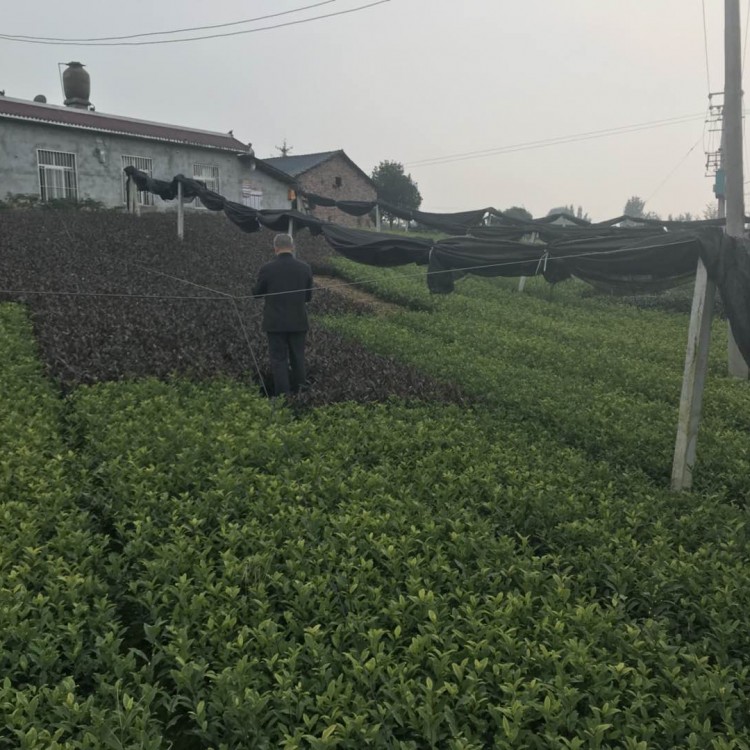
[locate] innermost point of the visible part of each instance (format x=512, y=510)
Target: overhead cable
x=671, y=173
x=705, y=46
x=196, y=38
x=164, y=33
x=573, y=138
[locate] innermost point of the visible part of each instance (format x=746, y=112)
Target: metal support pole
x=732, y=132
x=521, y=283
x=696, y=366
x=378, y=220
x=180, y=211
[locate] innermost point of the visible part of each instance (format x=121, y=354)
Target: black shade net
x=626, y=254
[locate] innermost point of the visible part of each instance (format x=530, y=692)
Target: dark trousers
x=287, y=349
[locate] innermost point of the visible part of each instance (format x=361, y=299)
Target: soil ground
x=355, y=293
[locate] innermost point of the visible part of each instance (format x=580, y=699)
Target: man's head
x=283, y=243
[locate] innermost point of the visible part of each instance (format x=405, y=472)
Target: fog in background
x=409, y=80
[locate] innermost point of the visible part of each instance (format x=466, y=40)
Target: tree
x=571, y=210
x=395, y=187
x=687, y=216
x=711, y=211
x=518, y=212
x=636, y=208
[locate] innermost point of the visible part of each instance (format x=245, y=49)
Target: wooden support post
x=180, y=211
x=696, y=366
x=378, y=220
x=134, y=206
x=292, y=205
x=521, y=283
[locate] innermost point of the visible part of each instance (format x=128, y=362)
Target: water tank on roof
x=77, y=86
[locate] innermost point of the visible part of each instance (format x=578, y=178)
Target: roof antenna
x=285, y=149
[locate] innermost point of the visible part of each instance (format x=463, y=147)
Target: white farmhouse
x=74, y=152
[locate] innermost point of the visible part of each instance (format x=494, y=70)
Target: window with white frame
x=252, y=196
x=208, y=174
x=142, y=164
x=58, y=177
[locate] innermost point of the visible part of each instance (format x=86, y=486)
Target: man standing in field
x=286, y=283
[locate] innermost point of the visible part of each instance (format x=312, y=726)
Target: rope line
x=118, y=295
x=331, y=287
x=224, y=296
x=177, y=278
x=249, y=345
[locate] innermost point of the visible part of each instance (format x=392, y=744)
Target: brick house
x=331, y=174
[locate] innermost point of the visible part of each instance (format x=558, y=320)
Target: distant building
x=331, y=174
x=74, y=152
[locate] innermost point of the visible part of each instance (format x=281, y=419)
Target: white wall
x=100, y=178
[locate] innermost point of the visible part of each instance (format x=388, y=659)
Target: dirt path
x=356, y=294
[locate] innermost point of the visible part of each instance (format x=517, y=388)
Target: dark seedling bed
x=149, y=322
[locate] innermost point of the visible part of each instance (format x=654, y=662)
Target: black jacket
x=285, y=312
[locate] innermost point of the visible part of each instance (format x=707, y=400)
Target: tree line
x=397, y=187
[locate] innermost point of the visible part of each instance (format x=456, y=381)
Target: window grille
x=143, y=164
x=209, y=175
x=57, y=175
x=252, y=197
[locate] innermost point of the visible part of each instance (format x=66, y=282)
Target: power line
x=671, y=173
x=197, y=38
x=705, y=46
x=744, y=117
x=529, y=145
x=162, y=33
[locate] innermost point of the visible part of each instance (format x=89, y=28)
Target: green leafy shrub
x=411, y=577
x=59, y=631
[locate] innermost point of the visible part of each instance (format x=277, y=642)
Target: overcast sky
x=409, y=80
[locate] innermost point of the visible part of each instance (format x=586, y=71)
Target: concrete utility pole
x=732, y=156
x=699, y=335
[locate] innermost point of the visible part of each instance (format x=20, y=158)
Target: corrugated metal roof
x=297, y=165
x=52, y=114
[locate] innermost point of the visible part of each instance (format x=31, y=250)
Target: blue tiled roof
x=296, y=165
